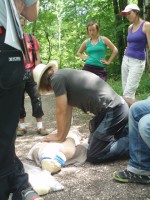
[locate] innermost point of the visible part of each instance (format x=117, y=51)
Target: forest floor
x=93, y=182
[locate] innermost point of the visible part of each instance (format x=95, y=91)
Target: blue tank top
x=96, y=53
x=136, y=43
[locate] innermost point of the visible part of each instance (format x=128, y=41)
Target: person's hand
x=51, y=138
x=105, y=62
x=125, y=50
x=85, y=58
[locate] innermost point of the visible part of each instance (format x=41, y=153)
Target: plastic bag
x=41, y=180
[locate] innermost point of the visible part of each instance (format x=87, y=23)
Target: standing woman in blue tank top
x=134, y=59
x=95, y=49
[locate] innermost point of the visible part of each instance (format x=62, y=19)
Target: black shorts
x=11, y=89
x=11, y=65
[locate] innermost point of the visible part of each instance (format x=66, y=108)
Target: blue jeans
x=110, y=139
x=139, y=138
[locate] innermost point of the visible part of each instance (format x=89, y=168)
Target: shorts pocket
x=11, y=67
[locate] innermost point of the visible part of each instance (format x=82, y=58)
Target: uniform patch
x=14, y=59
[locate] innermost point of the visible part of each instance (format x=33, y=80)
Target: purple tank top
x=136, y=43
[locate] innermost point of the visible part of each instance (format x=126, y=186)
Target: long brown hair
x=137, y=13
x=45, y=85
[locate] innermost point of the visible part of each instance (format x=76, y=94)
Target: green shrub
x=143, y=90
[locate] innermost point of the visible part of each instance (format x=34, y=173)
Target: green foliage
x=71, y=17
x=115, y=84
x=143, y=91
x=61, y=28
x=144, y=88
x=132, y=1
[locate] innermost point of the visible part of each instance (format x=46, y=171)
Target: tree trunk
x=119, y=33
x=140, y=4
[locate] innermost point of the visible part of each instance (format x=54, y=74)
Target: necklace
x=94, y=41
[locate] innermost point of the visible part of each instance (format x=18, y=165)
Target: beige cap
x=41, y=68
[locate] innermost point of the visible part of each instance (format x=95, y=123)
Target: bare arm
x=128, y=32
x=81, y=50
x=112, y=47
x=31, y=12
x=63, y=117
x=36, y=48
x=146, y=29
x=38, y=61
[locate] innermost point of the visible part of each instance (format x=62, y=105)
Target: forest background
x=61, y=28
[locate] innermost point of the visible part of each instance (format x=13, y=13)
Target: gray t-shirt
x=85, y=90
x=3, y=17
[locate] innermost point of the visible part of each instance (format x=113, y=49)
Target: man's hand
x=53, y=138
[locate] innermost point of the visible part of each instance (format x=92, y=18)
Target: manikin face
x=92, y=31
x=131, y=16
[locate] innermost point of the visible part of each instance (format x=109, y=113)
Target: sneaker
x=42, y=131
x=129, y=177
x=30, y=194
x=20, y=132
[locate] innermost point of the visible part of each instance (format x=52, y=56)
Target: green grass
x=143, y=90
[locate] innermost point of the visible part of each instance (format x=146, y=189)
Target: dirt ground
x=93, y=182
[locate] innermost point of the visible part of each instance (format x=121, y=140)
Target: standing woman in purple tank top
x=134, y=59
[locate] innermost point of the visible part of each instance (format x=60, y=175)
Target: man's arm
x=63, y=117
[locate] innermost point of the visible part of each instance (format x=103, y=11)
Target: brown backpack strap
x=33, y=48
